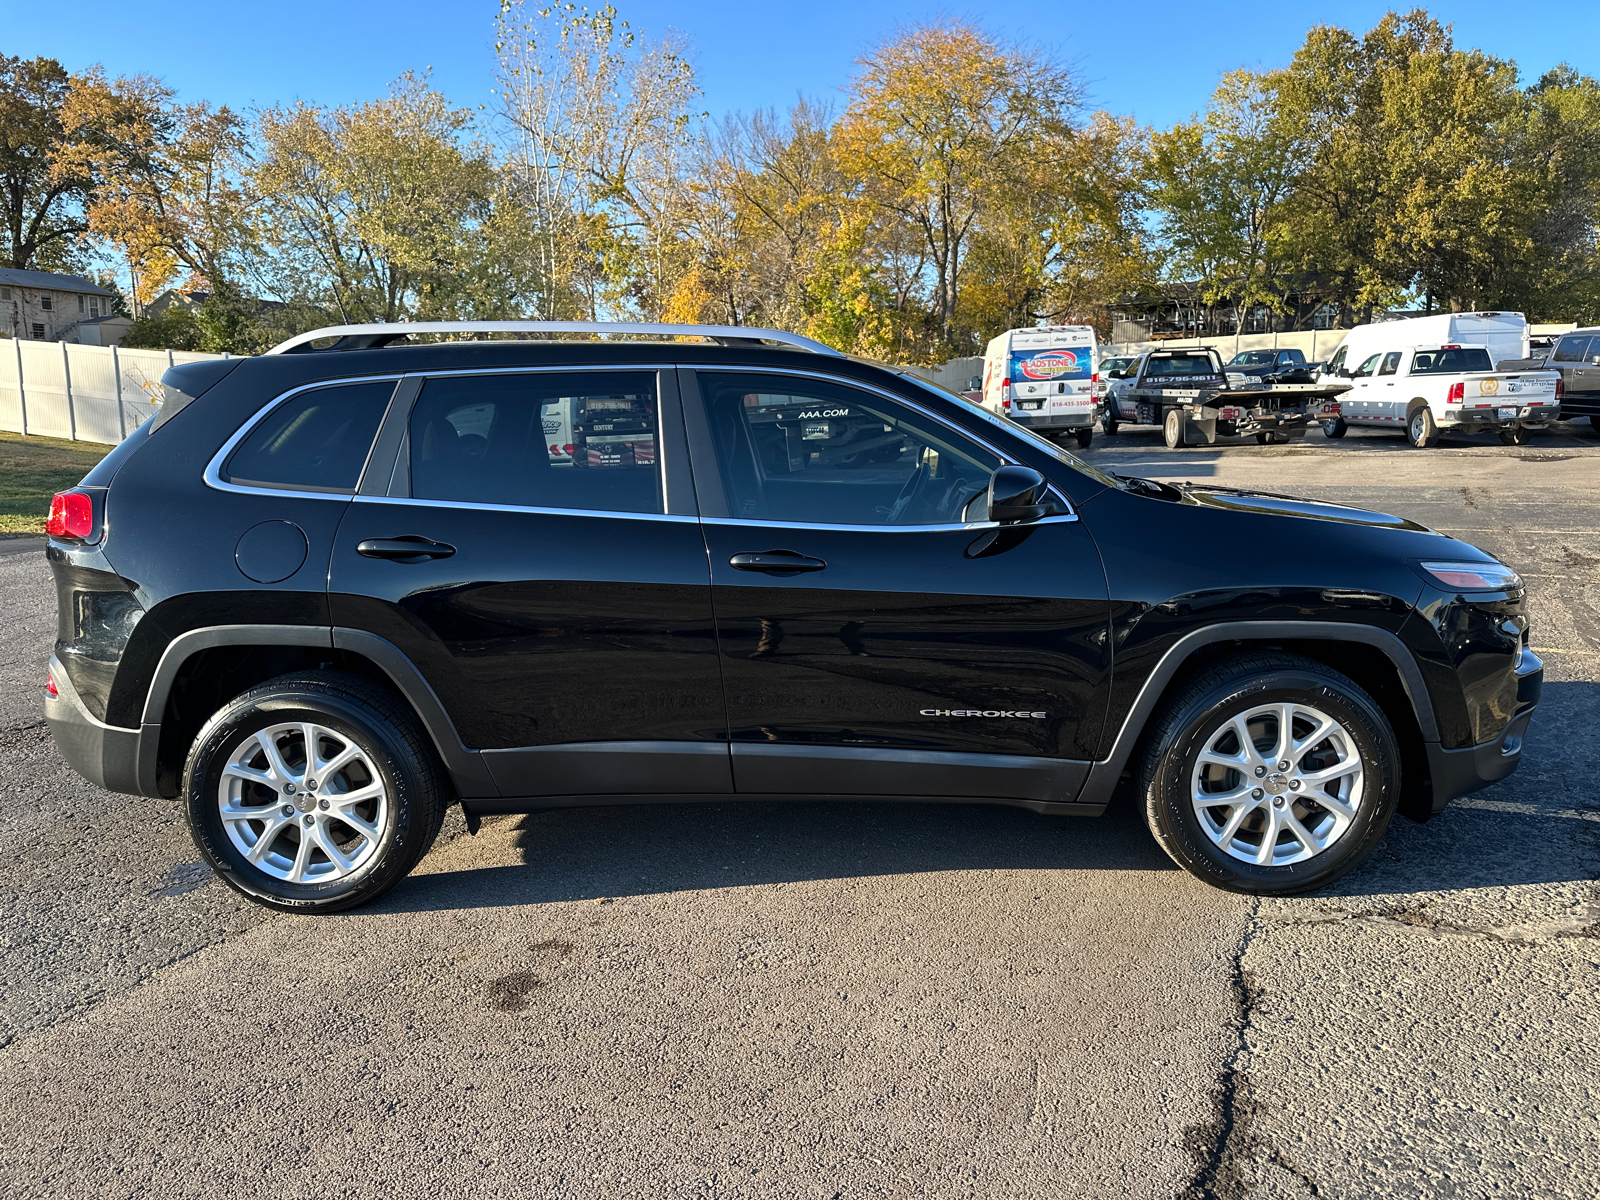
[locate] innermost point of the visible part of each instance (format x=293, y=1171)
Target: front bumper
x=1472, y=768
x=106, y=755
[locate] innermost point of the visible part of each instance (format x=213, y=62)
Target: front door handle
x=775, y=562
x=408, y=549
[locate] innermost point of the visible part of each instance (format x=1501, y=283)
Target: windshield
x=1456, y=361
x=1252, y=358
x=1015, y=430
x=1181, y=364
x=1115, y=364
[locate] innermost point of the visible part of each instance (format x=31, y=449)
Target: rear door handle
x=775, y=562
x=409, y=548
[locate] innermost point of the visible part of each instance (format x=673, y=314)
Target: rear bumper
x=1078, y=420
x=1490, y=418
x=106, y=755
x=1472, y=768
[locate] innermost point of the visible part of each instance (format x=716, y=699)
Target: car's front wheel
x=314, y=792
x=1270, y=773
x=1335, y=428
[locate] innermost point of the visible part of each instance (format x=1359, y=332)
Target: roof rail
x=372, y=337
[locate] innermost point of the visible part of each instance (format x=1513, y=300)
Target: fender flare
x=1105, y=774
x=467, y=769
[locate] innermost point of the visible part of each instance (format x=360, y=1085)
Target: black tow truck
x=1190, y=394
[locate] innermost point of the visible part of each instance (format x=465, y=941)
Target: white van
x=1503, y=334
x=1044, y=378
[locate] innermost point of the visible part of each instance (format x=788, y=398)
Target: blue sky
x=747, y=55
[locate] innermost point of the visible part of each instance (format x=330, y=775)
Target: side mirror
x=1016, y=495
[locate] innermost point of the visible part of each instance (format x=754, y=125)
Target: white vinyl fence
x=85, y=393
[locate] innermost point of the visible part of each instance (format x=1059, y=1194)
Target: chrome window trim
x=970, y=526
x=1005, y=459
x=213, y=472
x=471, y=506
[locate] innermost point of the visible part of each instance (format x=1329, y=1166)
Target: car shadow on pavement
x=586, y=853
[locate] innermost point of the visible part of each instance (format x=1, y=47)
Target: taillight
x=71, y=516
x=1094, y=377
x=50, y=688
x=1458, y=392
x=1561, y=387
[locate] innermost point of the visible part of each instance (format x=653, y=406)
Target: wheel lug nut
x=1282, y=766
x=1277, y=802
x=311, y=785
x=1294, y=786
x=288, y=789
x=1260, y=771
x=288, y=810
x=1257, y=794
x=323, y=804
x=310, y=820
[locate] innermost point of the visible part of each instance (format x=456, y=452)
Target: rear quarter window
x=317, y=440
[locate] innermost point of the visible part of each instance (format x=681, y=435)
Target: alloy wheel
x=304, y=803
x=1277, y=783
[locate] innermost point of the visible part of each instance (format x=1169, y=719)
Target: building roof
x=11, y=277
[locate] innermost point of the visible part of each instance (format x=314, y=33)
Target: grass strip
x=32, y=469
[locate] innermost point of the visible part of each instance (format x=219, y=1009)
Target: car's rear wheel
x=1172, y=429
x=1515, y=435
x=1421, y=430
x=1270, y=437
x=314, y=792
x=1335, y=428
x=1085, y=438
x=1270, y=773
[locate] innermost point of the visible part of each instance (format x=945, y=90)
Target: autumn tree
x=604, y=136
x=943, y=121
x=380, y=211
x=41, y=201
x=166, y=180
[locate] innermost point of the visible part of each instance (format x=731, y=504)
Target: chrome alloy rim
x=1277, y=784
x=303, y=803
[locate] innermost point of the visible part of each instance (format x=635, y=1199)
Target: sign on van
x=1060, y=363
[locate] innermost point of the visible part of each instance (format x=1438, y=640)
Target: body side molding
x=1104, y=775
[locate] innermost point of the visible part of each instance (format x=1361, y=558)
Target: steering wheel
x=910, y=490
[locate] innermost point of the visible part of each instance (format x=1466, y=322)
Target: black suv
x=329, y=591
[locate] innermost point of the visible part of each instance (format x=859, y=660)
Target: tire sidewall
x=223, y=734
x=1180, y=828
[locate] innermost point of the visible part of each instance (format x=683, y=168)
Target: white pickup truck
x=1424, y=390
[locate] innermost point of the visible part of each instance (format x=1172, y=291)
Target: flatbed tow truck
x=1190, y=395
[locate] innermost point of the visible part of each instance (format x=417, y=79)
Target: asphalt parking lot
x=808, y=1000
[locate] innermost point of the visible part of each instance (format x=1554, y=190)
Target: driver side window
x=804, y=451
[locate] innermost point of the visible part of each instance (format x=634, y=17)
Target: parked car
x=1192, y=397
x=1043, y=378
x=1110, y=370
x=1503, y=334
x=1254, y=364
x=1576, y=358
x=1426, y=390
x=328, y=591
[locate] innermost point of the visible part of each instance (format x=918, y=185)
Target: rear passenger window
x=1572, y=349
x=1391, y=363
x=316, y=441
x=576, y=440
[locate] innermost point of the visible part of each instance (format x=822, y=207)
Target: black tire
x=1172, y=429
x=1515, y=435
x=1421, y=431
x=1085, y=437
x=1199, y=714
x=367, y=716
x=1335, y=428
x=1227, y=429
x=1109, y=423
